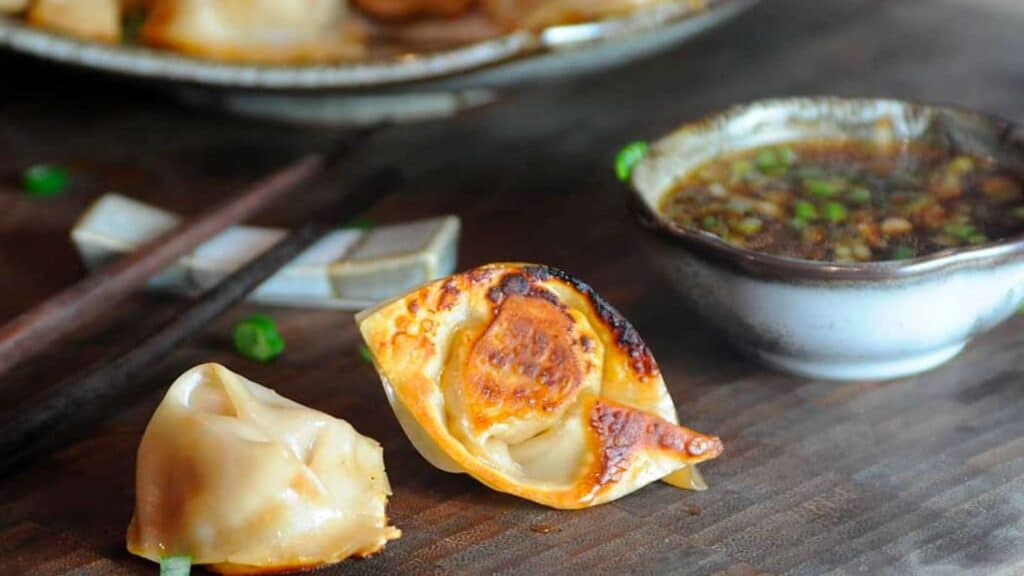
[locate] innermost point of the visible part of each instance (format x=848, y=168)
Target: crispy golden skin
x=526, y=379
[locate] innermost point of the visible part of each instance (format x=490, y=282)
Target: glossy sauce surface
x=849, y=201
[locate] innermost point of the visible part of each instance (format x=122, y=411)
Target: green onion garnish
x=977, y=238
x=131, y=24
x=257, y=338
x=822, y=188
x=749, y=226
x=709, y=221
x=961, y=231
x=798, y=224
x=364, y=352
x=787, y=156
x=902, y=253
x=859, y=195
x=175, y=566
x=361, y=223
x=804, y=210
x=767, y=160
x=962, y=164
x=43, y=180
x=835, y=212
x=628, y=157
x=741, y=168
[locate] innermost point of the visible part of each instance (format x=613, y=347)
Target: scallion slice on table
x=43, y=180
x=628, y=157
x=361, y=223
x=175, y=566
x=257, y=338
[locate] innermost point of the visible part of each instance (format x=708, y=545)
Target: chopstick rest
x=349, y=268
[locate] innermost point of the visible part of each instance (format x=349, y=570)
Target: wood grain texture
x=921, y=475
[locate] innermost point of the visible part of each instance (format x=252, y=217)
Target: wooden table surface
x=921, y=475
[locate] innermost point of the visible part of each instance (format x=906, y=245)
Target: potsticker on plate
x=89, y=19
x=280, y=31
x=526, y=379
x=244, y=481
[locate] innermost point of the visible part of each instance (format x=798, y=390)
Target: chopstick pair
x=54, y=417
x=34, y=331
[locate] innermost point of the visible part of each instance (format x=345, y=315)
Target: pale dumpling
x=246, y=481
x=255, y=30
x=524, y=378
x=87, y=19
x=541, y=13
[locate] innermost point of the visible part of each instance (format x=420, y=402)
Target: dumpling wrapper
x=532, y=14
x=524, y=378
x=246, y=481
x=87, y=19
x=278, y=31
x=13, y=6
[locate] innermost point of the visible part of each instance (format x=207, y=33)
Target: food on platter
x=258, y=30
x=311, y=31
x=90, y=19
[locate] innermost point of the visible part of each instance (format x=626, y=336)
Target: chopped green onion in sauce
x=627, y=158
x=257, y=338
x=822, y=188
x=176, y=566
x=835, y=212
x=804, y=210
x=45, y=180
x=902, y=252
x=850, y=201
x=859, y=195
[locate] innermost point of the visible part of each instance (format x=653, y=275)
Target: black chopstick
x=70, y=408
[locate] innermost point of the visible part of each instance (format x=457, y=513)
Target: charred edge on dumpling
x=622, y=432
x=625, y=335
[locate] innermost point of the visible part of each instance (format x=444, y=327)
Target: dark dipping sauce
x=850, y=201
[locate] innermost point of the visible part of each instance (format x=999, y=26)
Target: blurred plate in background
x=407, y=83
